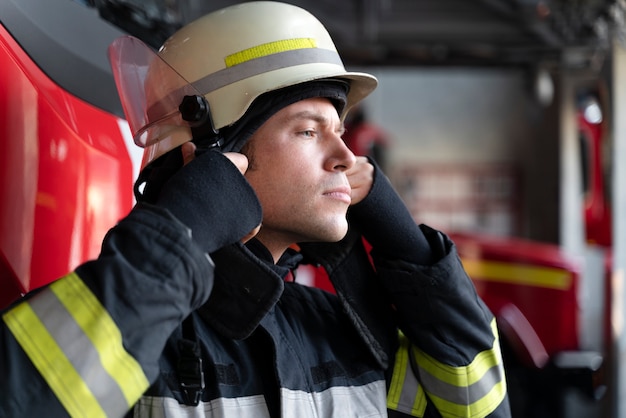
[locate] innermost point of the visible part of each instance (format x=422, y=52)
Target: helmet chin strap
x=206, y=139
x=195, y=110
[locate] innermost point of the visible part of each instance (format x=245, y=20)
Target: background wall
x=449, y=120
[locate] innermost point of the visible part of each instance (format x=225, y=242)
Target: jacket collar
x=247, y=286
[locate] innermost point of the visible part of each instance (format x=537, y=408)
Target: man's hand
x=381, y=216
x=188, y=150
x=189, y=153
x=361, y=178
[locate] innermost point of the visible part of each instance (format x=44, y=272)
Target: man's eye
x=308, y=133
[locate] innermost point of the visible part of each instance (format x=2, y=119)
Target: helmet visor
x=150, y=90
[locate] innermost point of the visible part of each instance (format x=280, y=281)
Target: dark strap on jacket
x=189, y=368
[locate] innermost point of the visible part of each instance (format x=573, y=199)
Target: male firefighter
x=182, y=314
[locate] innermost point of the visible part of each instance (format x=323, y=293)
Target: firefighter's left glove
x=211, y=197
x=386, y=223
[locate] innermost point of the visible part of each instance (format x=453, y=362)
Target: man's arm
x=88, y=344
x=448, y=340
x=451, y=334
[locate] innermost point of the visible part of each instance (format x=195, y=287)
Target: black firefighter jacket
x=156, y=328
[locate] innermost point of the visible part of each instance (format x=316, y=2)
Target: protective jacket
x=135, y=332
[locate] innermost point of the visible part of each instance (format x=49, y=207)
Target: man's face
x=297, y=168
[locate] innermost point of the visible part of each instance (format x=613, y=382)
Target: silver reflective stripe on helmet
x=266, y=58
x=253, y=62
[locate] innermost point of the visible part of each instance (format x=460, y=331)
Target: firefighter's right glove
x=211, y=197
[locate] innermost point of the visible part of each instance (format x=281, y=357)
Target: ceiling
x=419, y=32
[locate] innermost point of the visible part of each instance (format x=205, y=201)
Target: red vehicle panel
x=539, y=280
x=66, y=175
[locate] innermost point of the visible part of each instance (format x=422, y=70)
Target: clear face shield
x=160, y=106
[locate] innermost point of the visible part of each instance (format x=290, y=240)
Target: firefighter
x=183, y=314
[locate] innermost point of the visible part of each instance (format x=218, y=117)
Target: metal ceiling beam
x=529, y=22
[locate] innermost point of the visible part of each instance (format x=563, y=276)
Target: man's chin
x=328, y=235
x=335, y=236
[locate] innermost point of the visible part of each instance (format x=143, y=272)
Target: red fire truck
x=66, y=176
x=65, y=170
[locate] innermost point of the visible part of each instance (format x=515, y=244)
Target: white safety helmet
x=230, y=57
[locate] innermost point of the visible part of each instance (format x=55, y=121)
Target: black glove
x=385, y=222
x=211, y=197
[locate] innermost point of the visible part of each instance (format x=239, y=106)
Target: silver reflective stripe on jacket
x=336, y=402
x=74, y=343
x=473, y=390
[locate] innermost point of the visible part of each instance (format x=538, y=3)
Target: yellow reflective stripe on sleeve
x=48, y=358
x=478, y=409
x=474, y=390
x=98, y=325
x=76, y=346
x=269, y=48
x=405, y=393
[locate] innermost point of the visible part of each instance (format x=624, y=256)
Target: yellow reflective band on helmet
x=405, y=393
x=474, y=390
x=269, y=48
x=259, y=60
x=76, y=346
